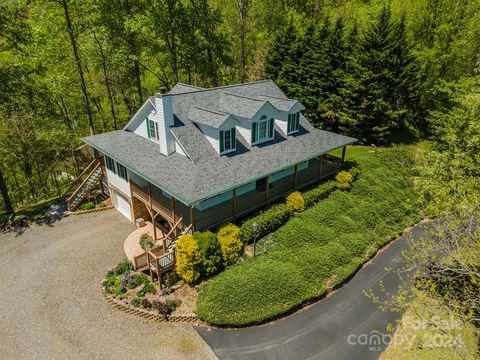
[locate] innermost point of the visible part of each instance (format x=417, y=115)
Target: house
x=198, y=157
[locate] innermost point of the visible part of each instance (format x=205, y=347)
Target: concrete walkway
x=326, y=330
x=51, y=306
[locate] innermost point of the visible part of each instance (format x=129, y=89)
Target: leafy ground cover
x=320, y=247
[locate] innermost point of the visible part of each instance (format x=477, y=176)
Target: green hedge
x=268, y=221
x=313, y=196
x=320, y=247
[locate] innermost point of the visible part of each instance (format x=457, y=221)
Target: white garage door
x=122, y=205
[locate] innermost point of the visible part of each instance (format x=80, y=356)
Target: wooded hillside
x=371, y=69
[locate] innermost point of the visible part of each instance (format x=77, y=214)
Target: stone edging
x=145, y=314
x=83, y=212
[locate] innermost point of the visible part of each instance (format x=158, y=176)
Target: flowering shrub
x=146, y=303
x=230, y=244
x=295, y=201
x=123, y=267
x=146, y=289
x=344, y=180
x=188, y=259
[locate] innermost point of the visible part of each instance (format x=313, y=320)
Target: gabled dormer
x=218, y=127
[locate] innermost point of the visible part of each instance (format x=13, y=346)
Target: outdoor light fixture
x=255, y=226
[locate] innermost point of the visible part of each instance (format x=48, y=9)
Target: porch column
x=154, y=220
x=234, y=204
x=173, y=216
x=267, y=188
x=343, y=156
x=295, y=178
x=192, y=218
x=320, y=167
x=150, y=194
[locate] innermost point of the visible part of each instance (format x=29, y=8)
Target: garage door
x=122, y=205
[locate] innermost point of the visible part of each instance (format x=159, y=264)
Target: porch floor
x=131, y=245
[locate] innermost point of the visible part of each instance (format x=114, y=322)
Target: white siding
x=179, y=149
x=119, y=182
x=212, y=136
x=164, y=117
x=244, y=127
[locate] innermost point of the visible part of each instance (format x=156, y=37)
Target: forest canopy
x=376, y=70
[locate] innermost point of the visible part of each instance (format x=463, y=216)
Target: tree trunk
x=107, y=82
x=243, y=13
x=73, y=42
x=5, y=196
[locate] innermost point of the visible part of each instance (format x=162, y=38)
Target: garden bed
x=132, y=290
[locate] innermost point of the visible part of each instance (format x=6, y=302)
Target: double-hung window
x=262, y=130
x=293, y=123
x=152, y=129
x=122, y=171
x=110, y=164
x=228, y=141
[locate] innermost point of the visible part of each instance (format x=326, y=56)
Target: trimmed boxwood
x=311, y=197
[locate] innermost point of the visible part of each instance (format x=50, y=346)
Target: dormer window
x=152, y=129
x=228, y=141
x=293, y=123
x=262, y=130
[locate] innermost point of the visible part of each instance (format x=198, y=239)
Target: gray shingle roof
x=279, y=102
x=203, y=173
x=213, y=118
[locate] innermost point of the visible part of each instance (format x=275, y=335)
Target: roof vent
x=163, y=90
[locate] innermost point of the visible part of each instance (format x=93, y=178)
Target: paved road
x=321, y=331
x=51, y=306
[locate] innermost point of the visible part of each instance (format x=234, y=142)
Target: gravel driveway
x=51, y=306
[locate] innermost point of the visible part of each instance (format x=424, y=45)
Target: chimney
x=163, y=105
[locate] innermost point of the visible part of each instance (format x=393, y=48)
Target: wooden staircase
x=95, y=174
x=156, y=262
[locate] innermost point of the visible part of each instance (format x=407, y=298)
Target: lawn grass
x=321, y=247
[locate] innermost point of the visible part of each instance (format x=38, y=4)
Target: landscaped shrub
x=146, y=242
x=311, y=197
x=87, y=206
x=267, y=221
x=319, y=248
x=189, y=259
x=210, y=252
x=296, y=202
x=230, y=243
x=354, y=171
x=344, y=180
x=147, y=288
x=123, y=266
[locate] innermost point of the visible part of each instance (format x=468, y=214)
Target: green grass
x=320, y=247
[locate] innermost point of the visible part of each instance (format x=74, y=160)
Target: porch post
x=320, y=167
x=267, y=188
x=343, y=156
x=154, y=227
x=295, y=178
x=192, y=218
x=234, y=204
x=173, y=216
x=150, y=194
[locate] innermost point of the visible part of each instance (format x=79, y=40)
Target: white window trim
x=297, y=130
x=155, y=136
x=234, y=145
x=267, y=120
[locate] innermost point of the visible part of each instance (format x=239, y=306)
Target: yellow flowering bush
x=344, y=180
x=189, y=259
x=230, y=243
x=296, y=202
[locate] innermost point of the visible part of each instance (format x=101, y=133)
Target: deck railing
x=142, y=193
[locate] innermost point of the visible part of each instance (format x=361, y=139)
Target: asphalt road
x=337, y=327
x=51, y=306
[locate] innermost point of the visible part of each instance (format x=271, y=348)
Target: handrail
x=83, y=183
x=76, y=181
